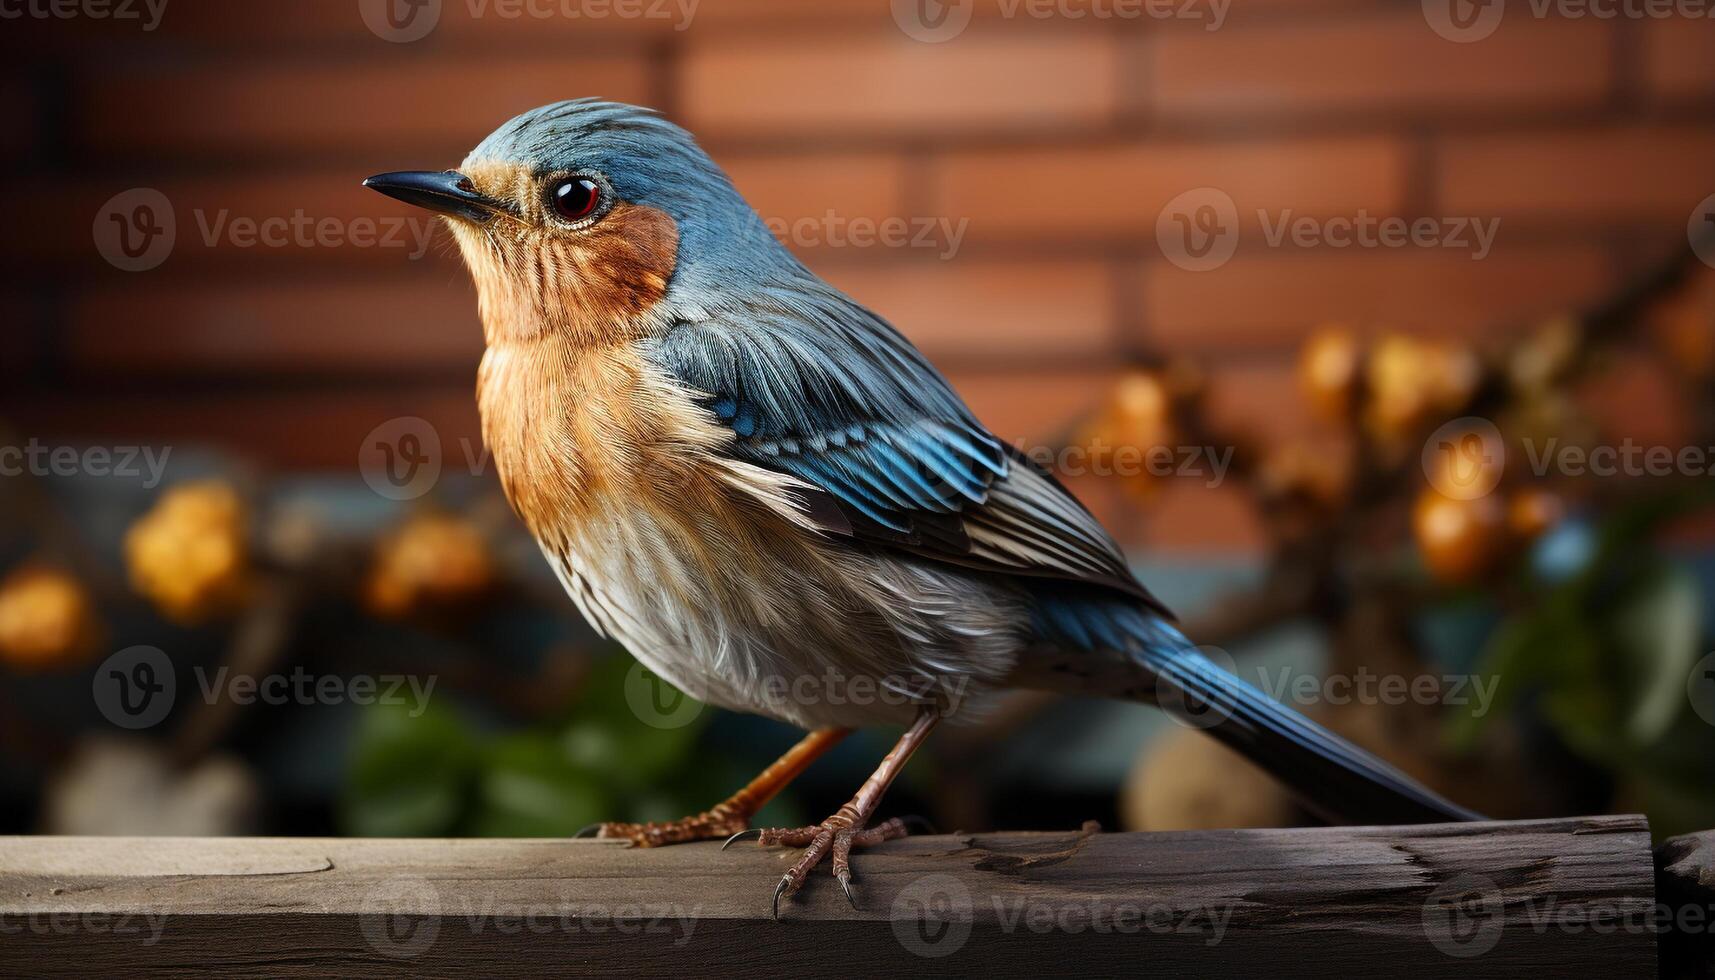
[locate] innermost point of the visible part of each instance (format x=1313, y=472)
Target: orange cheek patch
x=594, y=283
x=626, y=260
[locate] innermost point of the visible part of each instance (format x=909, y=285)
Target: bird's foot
x=835, y=836
x=708, y=825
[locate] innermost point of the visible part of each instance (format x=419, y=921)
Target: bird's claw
x=750, y=834
x=713, y=825
x=590, y=831
x=834, y=838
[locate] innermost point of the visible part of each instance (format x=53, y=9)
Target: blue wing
x=815, y=386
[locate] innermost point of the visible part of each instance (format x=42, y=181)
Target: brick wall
x=1059, y=140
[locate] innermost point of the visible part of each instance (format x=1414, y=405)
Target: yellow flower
x=46, y=620
x=1328, y=371
x=189, y=554
x=428, y=561
x=1411, y=380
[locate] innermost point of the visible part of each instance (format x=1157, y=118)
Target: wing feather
x=817, y=388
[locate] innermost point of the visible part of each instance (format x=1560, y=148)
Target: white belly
x=865, y=640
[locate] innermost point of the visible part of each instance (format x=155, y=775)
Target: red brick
x=386, y=325
x=1391, y=62
x=1067, y=191
x=1640, y=398
x=1604, y=173
x=308, y=429
x=890, y=82
x=767, y=14
x=63, y=214
x=1024, y=406
x=1187, y=518
x=419, y=113
x=1678, y=61
x=1257, y=400
x=869, y=185
x=1272, y=300
x=973, y=309
x=1257, y=403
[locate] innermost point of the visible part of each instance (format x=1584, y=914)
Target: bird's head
x=595, y=219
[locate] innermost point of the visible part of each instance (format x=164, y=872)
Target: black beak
x=443, y=191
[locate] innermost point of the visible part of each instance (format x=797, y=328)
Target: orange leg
x=846, y=828
x=733, y=814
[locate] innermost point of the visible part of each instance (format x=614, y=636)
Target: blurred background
x=1301, y=237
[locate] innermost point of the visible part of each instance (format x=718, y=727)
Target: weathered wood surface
x=1685, y=886
x=1534, y=898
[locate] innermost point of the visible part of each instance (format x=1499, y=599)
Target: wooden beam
x=1537, y=898
x=1685, y=880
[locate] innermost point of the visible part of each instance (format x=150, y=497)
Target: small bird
x=770, y=497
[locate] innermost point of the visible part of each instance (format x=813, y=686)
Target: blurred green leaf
x=1548, y=647
x=530, y=789
x=606, y=736
x=1656, y=632
x=409, y=774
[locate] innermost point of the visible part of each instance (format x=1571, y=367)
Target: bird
x=772, y=499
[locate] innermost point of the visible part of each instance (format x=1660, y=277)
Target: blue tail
x=1329, y=774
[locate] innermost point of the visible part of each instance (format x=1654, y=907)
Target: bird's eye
x=576, y=199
